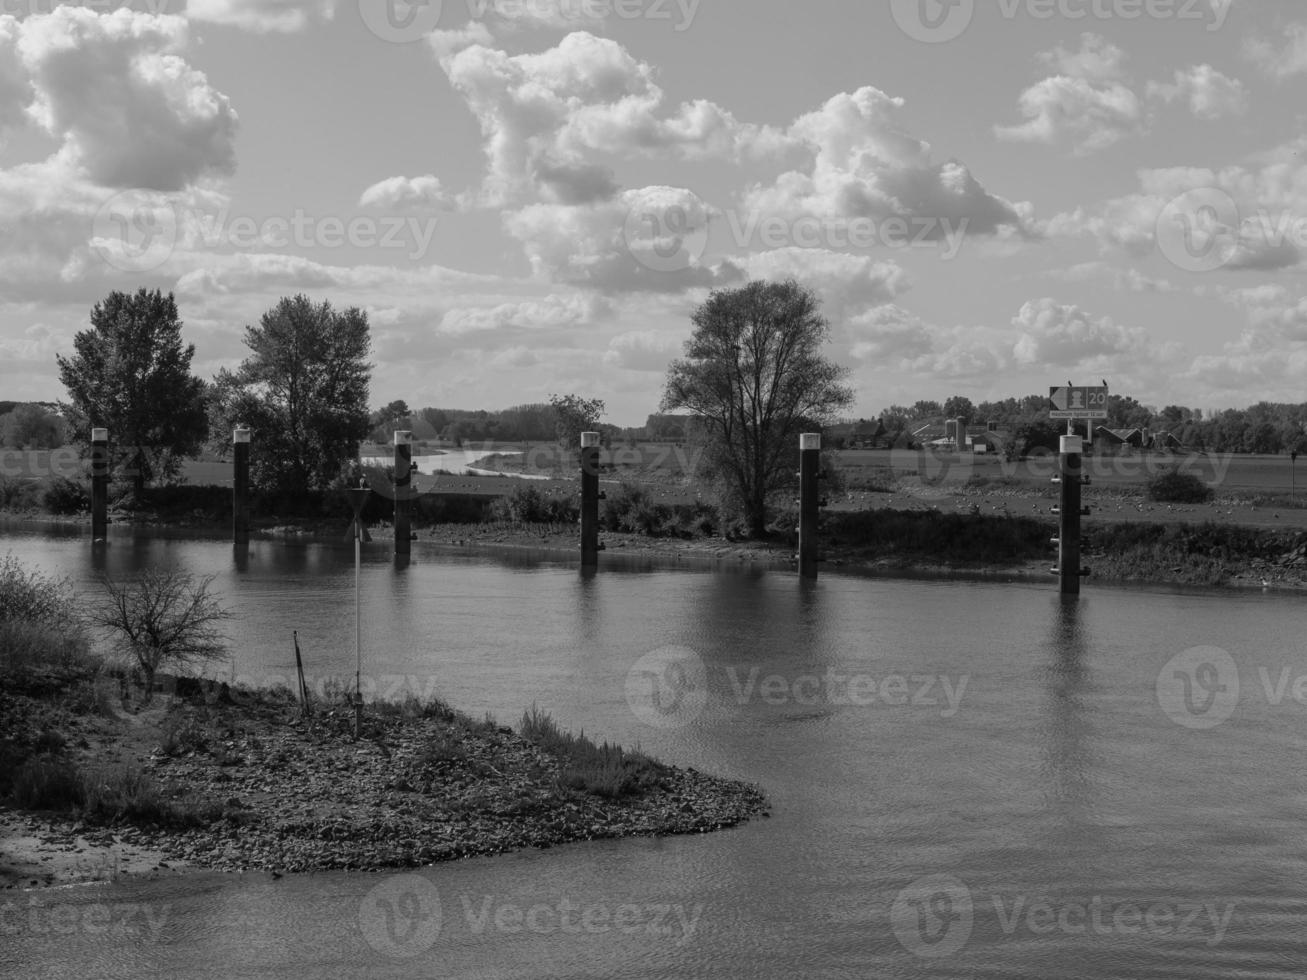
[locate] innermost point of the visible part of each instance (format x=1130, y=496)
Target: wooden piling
x=589, y=500
x=809, y=473
x=99, y=484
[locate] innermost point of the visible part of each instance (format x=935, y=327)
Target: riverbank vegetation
x=231, y=778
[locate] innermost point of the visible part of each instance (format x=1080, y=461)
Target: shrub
x=605, y=770
x=47, y=783
x=1174, y=487
x=66, y=496
x=32, y=596
x=29, y=647
x=19, y=495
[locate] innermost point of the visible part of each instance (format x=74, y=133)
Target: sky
x=532, y=196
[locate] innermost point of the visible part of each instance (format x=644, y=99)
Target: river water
x=967, y=779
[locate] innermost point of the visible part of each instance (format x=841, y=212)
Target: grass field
x=1251, y=490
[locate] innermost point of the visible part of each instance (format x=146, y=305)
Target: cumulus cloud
x=642, y=350
x=649, y=239
x=1051, y=334
x=546, y=116
x=861, y=164
x=1283, y=58
x=422, y=193
x=261, y=16
x=1086, y=101
x=1208, y=93
x=129, y=108
x=1254, y=211
x=554, y=310
x=846, y=283
x=1127, y=280
x=892, y=337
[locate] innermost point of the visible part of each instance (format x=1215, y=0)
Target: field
x=1250, y=490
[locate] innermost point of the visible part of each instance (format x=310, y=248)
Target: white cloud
x=1208, y=93
x=131, y=111
x=554, y=310
x=847, y=284
x=863, y=165
x=642, y=350
x=547, y=116
x=406, y=193
x=261, y=16
x=608, y=245
x=1280, y=59
x=1051, y=334
x=1086, y=102
x=894, y=338
x=1127, y=280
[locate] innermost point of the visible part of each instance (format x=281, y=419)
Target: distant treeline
x=1267, y=427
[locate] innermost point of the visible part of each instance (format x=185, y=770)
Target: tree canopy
x=753, y=376
x=303, y=391
x=131, y=373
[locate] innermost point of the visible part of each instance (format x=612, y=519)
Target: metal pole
x=589, y=500
x=403, y=484
x=809, y=467
x=99, y=484
x=240, y=486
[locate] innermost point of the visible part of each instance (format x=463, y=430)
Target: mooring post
x=1071, y=472
x=240, y=485
x=589, y=499
x=99, y=484
x=403, y=483
x=809, y=473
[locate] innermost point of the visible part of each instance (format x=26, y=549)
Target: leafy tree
x=30, y=426
x=131, y=373
x=927, y=409
x=574, y=415
x=163, y=617
x=303, y=390
x=958, y=407
x=396, y=411
x=754, y=377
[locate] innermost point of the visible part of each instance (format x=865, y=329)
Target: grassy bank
x=207, y=776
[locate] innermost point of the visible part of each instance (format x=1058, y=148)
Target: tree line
x=753, y=376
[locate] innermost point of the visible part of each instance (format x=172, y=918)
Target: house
x=1115, y=442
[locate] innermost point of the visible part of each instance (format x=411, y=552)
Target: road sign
x=1078, y=402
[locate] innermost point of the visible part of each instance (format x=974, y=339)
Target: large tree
x=573, y=415
x=303, y=391
x=31, y=426
x=131, y=373
x=754, y=377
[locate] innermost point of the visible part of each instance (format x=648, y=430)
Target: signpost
x=1078, y=402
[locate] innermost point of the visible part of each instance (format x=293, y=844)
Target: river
x=967, y=779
